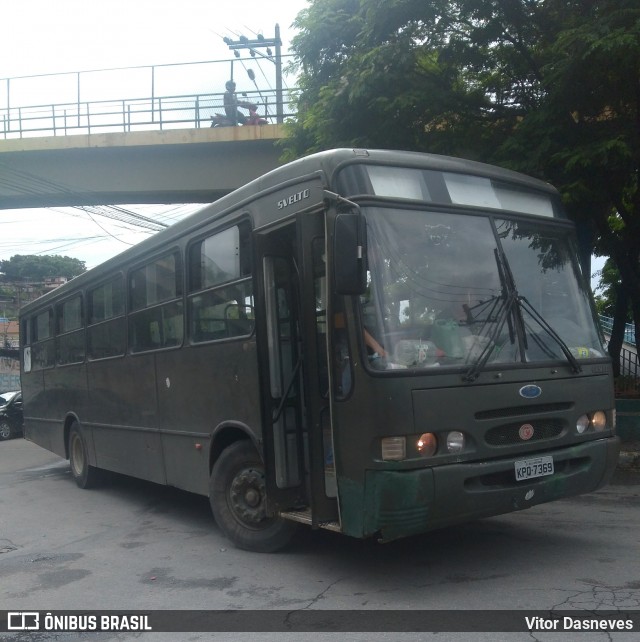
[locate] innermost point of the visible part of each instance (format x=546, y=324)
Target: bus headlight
x=455, y=441
x=599, y=420
x=427, y=444
x=582, y=424
x=394, y=448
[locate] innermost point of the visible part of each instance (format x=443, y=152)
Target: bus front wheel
x=237, y=493
x=84, y=475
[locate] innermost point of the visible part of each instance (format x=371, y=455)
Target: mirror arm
x=332, y=197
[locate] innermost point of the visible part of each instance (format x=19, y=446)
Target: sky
x=51, y=37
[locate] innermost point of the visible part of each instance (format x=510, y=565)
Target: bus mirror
x=350, y=253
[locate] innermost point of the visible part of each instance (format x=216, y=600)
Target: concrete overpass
x=167, y=166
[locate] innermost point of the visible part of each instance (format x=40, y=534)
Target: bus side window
x=42, y=349
x=70, y=331
x=220, y=291
x=25, y=343
x=157, y=319
x=106, y=328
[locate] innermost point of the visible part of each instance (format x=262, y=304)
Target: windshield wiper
x=514, y=303
x=523, y=303
x=504, y=306
x=544, y=324
x=510, y=311
x=506, y=310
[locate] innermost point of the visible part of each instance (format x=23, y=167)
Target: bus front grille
x=516, y=433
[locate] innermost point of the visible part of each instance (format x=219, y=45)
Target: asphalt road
x=134, y=545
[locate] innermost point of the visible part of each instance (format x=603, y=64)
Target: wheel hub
x=247, y=496
x=252, y=497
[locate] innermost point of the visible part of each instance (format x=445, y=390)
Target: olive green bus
x=379, y=343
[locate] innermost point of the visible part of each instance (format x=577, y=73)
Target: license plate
x=530, y=468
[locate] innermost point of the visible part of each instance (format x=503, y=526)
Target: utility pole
x=260, y=43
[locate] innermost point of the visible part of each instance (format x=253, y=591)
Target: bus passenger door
x=316, y=325
x=278, y=335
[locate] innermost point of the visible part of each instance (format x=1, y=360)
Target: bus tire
x=237, y=495
x=85, y=476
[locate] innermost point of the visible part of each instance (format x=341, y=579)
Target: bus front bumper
x=401, y=503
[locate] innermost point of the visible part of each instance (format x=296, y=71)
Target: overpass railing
x=131, y=114
x=128, y=99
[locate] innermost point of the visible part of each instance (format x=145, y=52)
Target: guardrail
x=629, y=361
x=629, y=330
x=629, y=364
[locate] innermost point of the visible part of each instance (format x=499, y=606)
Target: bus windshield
x=439, y=285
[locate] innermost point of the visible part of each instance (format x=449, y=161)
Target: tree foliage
x=22, y=267
x=547, y=87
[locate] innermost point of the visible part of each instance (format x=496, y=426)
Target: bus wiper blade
x=474, y=312
x=543, y=323
x=505, y=305
x=506, y=311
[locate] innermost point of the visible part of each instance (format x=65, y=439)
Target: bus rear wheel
x=85, y=476
x=237, y=493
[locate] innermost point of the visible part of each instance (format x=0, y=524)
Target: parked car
x=10, y=414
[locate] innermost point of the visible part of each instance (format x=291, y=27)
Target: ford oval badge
x=530, y=391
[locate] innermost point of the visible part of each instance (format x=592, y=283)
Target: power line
x=170, y=213
x=26, y=183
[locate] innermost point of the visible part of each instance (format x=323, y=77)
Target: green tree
x=35, y=268
x=547, y=87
